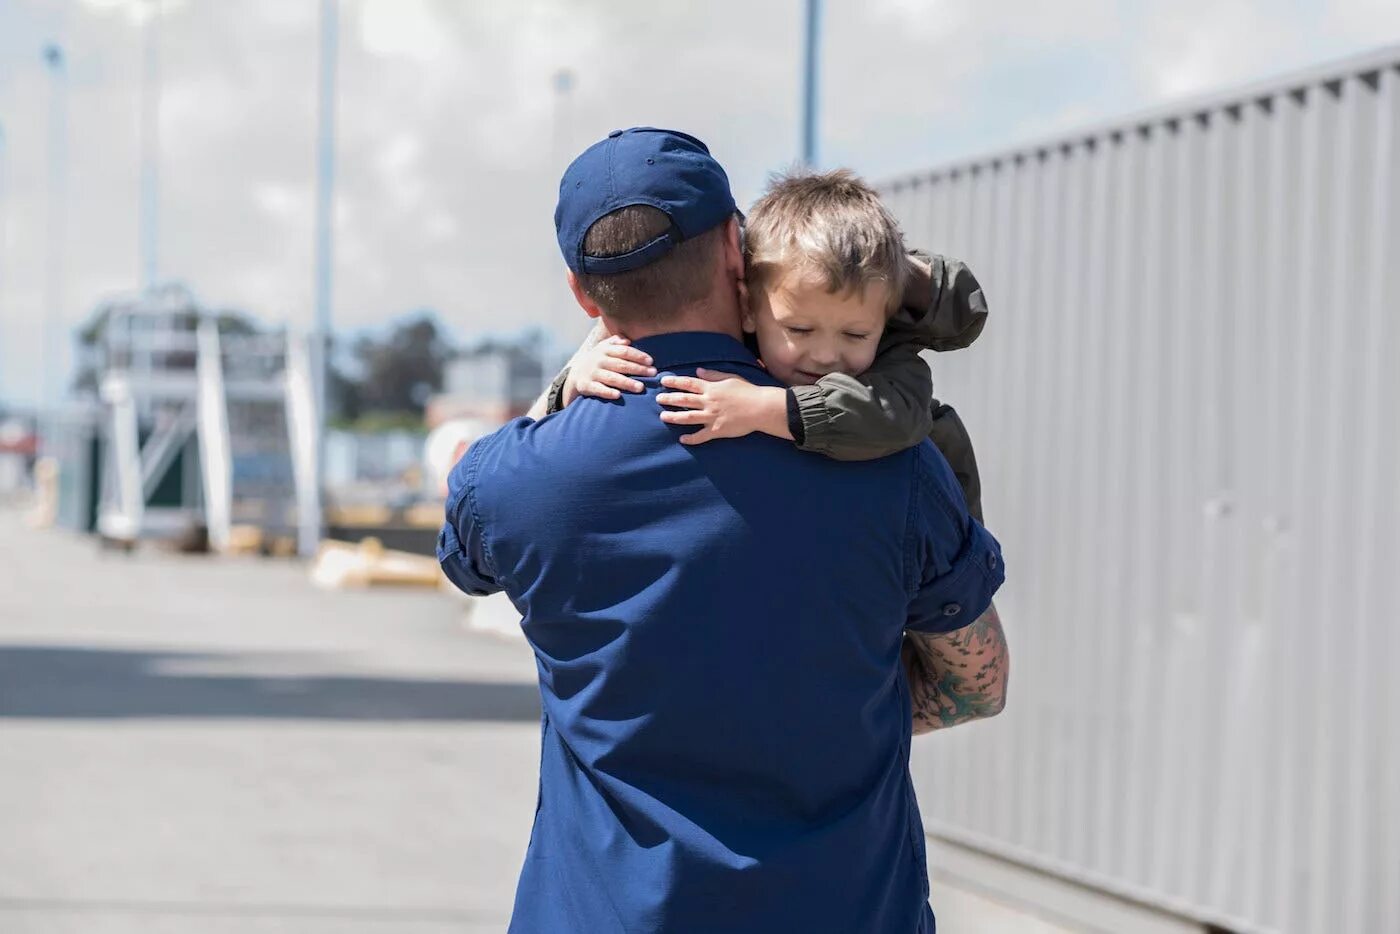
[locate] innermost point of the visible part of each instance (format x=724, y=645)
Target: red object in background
x=16, y=438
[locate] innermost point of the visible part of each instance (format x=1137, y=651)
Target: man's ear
x=733, y=247
x=748, y=317
x=734, y=268
x=589, y=306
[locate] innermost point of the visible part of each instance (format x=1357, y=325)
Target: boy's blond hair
x=829, y=225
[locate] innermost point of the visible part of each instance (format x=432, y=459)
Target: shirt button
x=952, y=609
x=614, y=134
x=992, y=560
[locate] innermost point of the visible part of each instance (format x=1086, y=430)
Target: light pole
x=324, y=261
x=150, y=147
x=811, y=50
x=552, y=343
x=56, y=220
x=4, y=246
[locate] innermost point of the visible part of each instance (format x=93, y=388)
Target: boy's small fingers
x=623, y=352
x=710, y=375
x=680, y=400
x=602, y=391
x=683, y=383
x=619, y=365
x=618, y=381
x=687, y=417
x=697, y=437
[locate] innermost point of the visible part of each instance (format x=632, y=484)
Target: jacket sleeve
x=944, y=307
x=885, y=409
x=462, y=550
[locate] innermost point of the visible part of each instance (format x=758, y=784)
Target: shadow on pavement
x=84, y=683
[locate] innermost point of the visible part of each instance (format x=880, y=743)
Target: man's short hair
x=657, y=291
x=831, y=226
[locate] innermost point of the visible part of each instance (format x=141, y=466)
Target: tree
x=396, y=372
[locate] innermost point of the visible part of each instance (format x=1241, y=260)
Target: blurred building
x=172, y=404
x=1183, y=408
x=494, y=380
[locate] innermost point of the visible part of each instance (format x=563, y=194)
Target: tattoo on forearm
x=958, y=676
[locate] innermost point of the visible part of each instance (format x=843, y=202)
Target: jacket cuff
x=794, y=419
x=816, y=419
x=556, y=392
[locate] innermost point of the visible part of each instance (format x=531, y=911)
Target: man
x=718, y=629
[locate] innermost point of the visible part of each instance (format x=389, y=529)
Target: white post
x=215, y=457
x=303, y=417
x=126, y=449
x=324, y=277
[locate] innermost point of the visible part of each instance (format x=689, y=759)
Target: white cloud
x=280, y=201
x=1197, y=45
x=405, y=28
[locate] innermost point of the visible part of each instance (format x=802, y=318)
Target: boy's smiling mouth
x=807, y=374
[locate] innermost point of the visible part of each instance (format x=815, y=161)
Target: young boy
x=839, y=313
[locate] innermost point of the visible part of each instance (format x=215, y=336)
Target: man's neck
x=700, y=318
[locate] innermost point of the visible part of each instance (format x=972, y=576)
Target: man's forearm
x=958, y=676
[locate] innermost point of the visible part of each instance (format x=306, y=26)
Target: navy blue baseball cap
x=666, y=169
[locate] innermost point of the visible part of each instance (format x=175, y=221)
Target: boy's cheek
x=863, y=360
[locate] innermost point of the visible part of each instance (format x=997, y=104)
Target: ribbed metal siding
x=1187, y=413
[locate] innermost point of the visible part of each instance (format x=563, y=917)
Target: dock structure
x=201, y=419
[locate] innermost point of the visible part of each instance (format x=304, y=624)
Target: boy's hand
x=724, y=405
x=602, y=371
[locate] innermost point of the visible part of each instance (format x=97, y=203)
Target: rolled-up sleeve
x=461, y=547
x=954, y=564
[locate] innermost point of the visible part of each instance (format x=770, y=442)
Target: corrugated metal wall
x=1186, y=407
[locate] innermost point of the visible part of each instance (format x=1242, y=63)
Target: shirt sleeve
x=461, y=547
x=954, y=564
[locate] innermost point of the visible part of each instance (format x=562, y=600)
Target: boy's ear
x=589, y=306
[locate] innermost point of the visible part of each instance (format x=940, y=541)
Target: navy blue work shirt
x=717, y=630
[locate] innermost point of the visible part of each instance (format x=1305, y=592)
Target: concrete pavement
x=190, y=744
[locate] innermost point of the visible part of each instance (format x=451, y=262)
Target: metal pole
x=150, y=147
x=56, y=221
x=809, y=83
x=4, y=246
x=325, y=208
x=552, y=344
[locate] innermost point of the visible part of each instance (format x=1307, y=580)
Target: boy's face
x=805, y=332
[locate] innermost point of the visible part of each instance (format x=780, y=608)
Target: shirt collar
x=691, y=348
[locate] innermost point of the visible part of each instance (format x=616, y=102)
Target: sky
x=451, y=134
